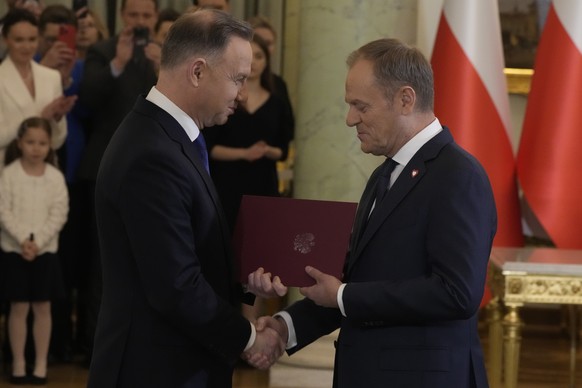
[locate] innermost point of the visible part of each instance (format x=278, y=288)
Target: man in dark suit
x=169, y=314
x=415, y=272
x=116, y=71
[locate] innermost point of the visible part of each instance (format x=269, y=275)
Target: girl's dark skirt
x=31, y=281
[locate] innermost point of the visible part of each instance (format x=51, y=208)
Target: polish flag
x=551, y=142
x=471, y=99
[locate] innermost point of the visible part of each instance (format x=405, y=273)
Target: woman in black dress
x=244, y=151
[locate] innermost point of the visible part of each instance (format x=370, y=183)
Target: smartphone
x=141, y=36
x=68, y=34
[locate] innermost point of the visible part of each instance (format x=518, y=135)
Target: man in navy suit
x=415, y=272
x=169, y=314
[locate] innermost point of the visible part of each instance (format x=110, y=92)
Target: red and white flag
x=551, y=142
x=471, y=99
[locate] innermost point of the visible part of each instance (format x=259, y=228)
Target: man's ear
x=407, y=99
x=197, y=70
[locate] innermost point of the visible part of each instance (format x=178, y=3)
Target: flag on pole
x=471, y=99
x=548, y=161
x=429, y=12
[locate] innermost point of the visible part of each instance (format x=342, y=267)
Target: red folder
x=283, y=235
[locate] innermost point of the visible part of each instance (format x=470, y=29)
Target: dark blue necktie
x=202, y=151
x=384, y=179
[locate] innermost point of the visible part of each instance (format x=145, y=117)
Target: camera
x=141, y=36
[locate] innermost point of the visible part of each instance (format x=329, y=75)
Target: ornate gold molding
x=521, y=288
x=518, y=80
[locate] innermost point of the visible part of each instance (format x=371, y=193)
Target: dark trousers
x=75, y=248
x=95, y=280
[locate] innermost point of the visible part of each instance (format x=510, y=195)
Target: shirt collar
x=189, y=126
x=409, y=149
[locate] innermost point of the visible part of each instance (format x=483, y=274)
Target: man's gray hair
x=397, y=64
x=203, y=33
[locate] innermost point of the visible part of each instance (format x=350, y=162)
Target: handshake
x=272, y=332
x=269, y=344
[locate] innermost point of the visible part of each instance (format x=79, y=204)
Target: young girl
x=33, y=209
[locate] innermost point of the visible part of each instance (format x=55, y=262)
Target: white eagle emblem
x=303, y=242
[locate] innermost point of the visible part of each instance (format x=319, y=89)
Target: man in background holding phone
x=56, y=48
x=117, y=70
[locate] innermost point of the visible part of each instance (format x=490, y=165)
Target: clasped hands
x=29, y=250
x=272, y=333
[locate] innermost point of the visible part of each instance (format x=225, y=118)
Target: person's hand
x=153, y=52
x=266, y=350
x=273, y=153
x=324, y=292
x=34, y=248
x=261, y=284
x=276, y=323
x=28, y=255
x=81, y=13
x=66, y=104
x=32, y=6
x=256, y=151
x=59, y=57
x=29, y=250
x=124, y=49
x=57, y=108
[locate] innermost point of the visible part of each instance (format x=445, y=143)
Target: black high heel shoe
x=18, y=380
x=35, y=380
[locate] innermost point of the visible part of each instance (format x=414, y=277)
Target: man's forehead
x=51, y=28
x=237, y=55
x=141, y=5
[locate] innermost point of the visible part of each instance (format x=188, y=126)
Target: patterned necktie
x=203, y=152
x=384, y=179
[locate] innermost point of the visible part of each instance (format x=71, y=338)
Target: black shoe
x=18, y=380
x=35, y=380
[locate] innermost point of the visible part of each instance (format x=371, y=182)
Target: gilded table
x=527, y=275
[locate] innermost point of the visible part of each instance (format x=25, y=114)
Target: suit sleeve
x=97, y=81
x=311, y=322
x=158, y=203
x=59, y=128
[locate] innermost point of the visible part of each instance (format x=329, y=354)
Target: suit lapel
x=15, y=87
x=177, y=134
x=43, y=90
x=410, y=176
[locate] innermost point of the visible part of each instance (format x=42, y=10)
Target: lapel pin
x=414, y=173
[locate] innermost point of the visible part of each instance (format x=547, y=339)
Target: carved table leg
x=512, y=342
x=573, y=313
x=495, y=342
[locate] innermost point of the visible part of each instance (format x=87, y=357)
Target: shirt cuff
x=340, y=299
x=252, y=338
x=291, y=335
x=114, y=72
